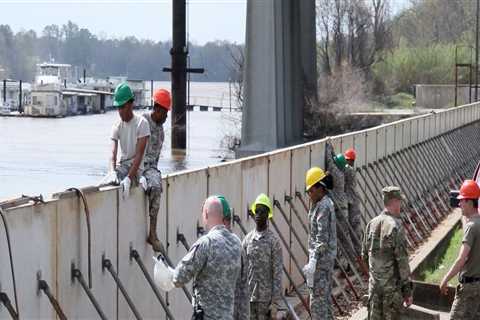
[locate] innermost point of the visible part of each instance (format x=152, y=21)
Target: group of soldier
x=234, y=279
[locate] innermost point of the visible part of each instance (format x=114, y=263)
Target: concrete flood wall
x=433, y=96
x=50, y=237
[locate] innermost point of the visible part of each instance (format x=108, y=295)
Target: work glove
x=126, y=184
x=143, y=183
x=109, y=179
x=309, y=271
x=163, y=274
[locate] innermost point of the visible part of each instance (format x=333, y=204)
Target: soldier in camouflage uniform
x=352, y=198
x=214, y=263
x=241, y=310
x=152, y=177
x=336, y=168
x=264, y=263
x=322, y=244
x=384, y=250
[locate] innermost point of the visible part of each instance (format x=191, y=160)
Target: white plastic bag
x=163, y=275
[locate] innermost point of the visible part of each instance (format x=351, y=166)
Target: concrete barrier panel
x=254, y=181
x=300, y=165
x=132, y=233
x=371, y=145
x=227, y=180
x=407, y=133
x=72, y=247
x=317, y=154
x=398, y=136
x=359, y=141
x=279, y=185
x=381, y=142
x=186, y=195
x=33, y=238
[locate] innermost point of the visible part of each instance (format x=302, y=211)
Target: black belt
x=465, y=280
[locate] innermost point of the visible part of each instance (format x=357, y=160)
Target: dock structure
x=52, y=242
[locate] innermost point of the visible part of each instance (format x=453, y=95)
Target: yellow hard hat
x=314, y=175
x=265, y=200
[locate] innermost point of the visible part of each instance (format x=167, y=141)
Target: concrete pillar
x=280, y=73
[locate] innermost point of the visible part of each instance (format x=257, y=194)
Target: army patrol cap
x=392, y=192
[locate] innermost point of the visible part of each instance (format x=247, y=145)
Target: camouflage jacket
x=214, y=264
x=338, y=175
x=322, y=240
x=242, y=296
x=384, y=250
x=351, y=184
x=155, y=142
x=265, y=265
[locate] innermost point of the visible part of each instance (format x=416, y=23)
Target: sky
x=208, y=20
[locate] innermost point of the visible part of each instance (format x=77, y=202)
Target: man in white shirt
x=131, y=134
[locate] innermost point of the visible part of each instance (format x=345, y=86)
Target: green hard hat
x=340, y=160
x=227, y=213
x=122, y=95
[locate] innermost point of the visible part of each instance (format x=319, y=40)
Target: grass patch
x=436, y=273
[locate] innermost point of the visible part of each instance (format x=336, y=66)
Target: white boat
x=4, y=108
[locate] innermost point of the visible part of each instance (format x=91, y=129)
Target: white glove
x=126, y=183
x=309, y=271
x=143, y=183
x=163, y=275
x=110, y=178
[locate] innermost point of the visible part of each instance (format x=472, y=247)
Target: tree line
x=102, y=57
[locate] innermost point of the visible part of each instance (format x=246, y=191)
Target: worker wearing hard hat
x=214, y=263
x=322, y=244
x=264, y=263
x=336, y=167
x=353, y=200
x=467, y=266
x=151, y=180
x=130, y=136
x=384, y=250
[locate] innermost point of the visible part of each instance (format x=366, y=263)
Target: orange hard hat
x=162, y=98
x=350, y=154
x=469, y=190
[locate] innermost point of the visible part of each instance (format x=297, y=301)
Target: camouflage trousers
x=259, y=311
x=466, y=306
x=154, y=186
x=321, y=293
x=355, y=222
x=384, y=305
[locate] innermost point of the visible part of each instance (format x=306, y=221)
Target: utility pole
x=179, y=53
x=476, y=52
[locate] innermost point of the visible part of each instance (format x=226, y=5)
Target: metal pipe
x=10, y=256
x=295, y=211
x=294, y=232
x=299, y=196
x=81, y=195
x=290, y=309
x=77, y=274
x=43, y=286
x=181, y=238
x=134, y=254
x=8, y=305
x=107, y=264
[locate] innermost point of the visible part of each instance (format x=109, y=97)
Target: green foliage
x=102, y=57
x=406, y=66
x=400, y=100
x=436, y=273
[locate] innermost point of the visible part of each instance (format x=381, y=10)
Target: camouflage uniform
x=322, y=246
x=151, y=172
x=353, y=205
x=384, y=250
x=241, y=310
x=341, y=205
x=465, y=305
x=265, y=263
x=214, y=263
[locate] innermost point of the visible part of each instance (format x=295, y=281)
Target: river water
x=43, y=156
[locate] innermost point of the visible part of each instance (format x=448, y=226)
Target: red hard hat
x=162, y=97
x=350, y=154
x=469, y=190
